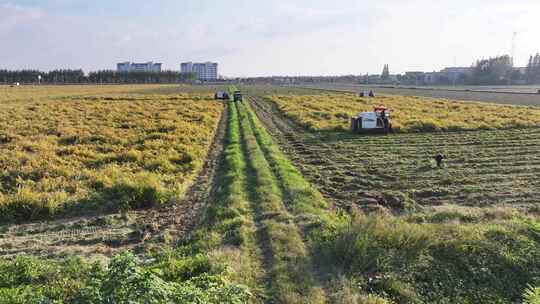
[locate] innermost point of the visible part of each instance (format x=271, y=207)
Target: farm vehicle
x=237, y=96
x=377, y=121
x=221, y=95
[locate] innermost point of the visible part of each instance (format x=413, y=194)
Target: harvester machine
x=377, y=121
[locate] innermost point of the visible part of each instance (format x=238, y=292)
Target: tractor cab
x=221, y=95
x=237, y=96
x=377, y=121
x=383, y=116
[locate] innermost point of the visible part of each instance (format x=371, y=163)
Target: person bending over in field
x=439, y=159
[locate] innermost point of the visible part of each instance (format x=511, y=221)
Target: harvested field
x=484, y=168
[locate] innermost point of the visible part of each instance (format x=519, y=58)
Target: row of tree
x=105, y=76
x=533, y=69
x=497, y=70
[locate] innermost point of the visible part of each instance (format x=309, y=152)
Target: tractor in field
x=377, y=121
x=221, y=95
x=237, y=96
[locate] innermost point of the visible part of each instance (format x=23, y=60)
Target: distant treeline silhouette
x=104, y=76
x=533, y=69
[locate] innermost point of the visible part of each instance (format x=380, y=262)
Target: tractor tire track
x=286, y=259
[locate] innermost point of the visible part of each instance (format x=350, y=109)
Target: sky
x=263, y=37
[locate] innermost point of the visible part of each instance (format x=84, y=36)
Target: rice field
x=91, y=150
x=244, y=202
x=410, y=114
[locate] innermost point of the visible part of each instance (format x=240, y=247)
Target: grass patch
x=291, y=279
x=427, y=263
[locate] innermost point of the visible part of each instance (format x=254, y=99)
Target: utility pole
x=455, y=73
x=514, y=35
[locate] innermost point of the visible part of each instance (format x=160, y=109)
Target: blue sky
x=279, y=37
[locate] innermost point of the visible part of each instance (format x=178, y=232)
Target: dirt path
x=101, y=236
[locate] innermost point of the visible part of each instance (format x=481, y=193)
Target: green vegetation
x=230, y=230
x=170, y=278
x=290, y=276
x=436, y=263
x=411, y=114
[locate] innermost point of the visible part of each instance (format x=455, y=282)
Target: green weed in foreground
x=436, y=263
x=125, y=280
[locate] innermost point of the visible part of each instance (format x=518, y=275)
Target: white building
x=204, y=71
x=138, y=67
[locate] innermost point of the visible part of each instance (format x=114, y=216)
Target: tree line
x=533, y=69
x=104, y=76
x=496, y=70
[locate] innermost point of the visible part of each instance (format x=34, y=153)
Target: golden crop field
x=411, y=114
x=69, y=153
x=34, y=92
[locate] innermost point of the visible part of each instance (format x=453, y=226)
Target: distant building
x=521, y=70
x=204, y=71
x=431, y=78
x=415, y=77
x=186, y=67
x=138, y=67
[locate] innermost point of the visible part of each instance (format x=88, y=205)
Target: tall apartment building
x=204, y=71
x=138, y=67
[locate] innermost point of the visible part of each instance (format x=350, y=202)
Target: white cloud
x=12, y=15
x=273, y=37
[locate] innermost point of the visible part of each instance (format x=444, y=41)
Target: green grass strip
x=304, y=200
x=291, y=278
x=231, y=229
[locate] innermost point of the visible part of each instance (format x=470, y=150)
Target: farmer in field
x=439, y=159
